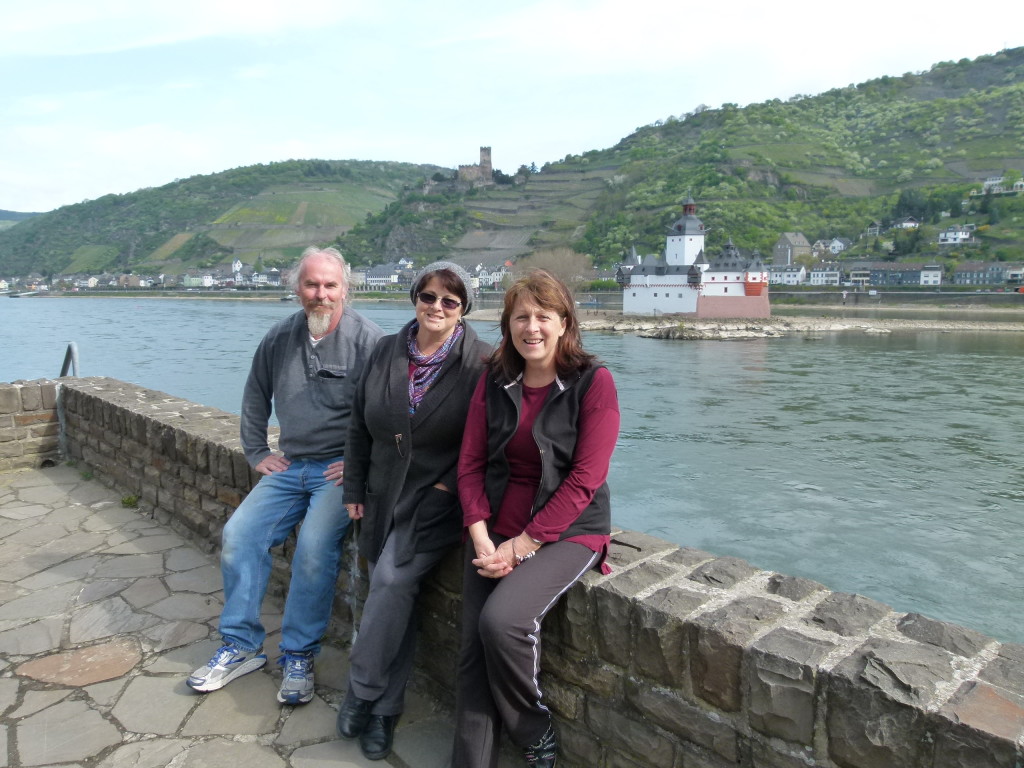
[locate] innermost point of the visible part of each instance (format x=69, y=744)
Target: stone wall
x=29, y=428
x=678, y=659
x=725, y=307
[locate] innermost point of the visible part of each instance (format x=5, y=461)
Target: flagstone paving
x=104, y=612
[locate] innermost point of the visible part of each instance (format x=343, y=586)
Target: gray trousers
x=382, y=656
x=499, y=661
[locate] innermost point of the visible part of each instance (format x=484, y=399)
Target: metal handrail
x=70, y=360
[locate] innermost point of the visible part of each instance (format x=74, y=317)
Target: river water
x=886, y=465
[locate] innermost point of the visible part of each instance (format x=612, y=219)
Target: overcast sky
x=102, y=96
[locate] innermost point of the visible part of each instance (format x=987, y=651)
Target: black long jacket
x=393, y=460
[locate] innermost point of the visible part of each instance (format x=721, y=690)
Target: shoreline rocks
x=777, y=326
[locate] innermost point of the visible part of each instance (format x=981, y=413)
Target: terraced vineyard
x=549, y=210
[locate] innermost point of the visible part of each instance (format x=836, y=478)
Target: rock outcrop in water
x=675, y=327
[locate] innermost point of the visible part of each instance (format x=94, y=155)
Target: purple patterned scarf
x=426, y=368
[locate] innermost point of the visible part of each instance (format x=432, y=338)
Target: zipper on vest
x=540, y=486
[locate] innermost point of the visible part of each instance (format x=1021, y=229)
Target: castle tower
x=486, y=170
x=685, y=240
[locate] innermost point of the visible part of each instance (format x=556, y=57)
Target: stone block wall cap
x=950, y=637
x=723, y=572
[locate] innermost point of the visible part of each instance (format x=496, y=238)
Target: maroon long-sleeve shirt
x=598, y=431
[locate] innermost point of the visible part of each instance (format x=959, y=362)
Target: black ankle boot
x=353, y=716
x=378, y=736
x=544, y=753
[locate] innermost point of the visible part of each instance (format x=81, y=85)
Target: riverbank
x=786, y=320
x=818, y=320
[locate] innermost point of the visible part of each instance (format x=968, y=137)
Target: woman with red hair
x=539, y=437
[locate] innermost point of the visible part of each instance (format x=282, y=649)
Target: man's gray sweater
x=310, y=387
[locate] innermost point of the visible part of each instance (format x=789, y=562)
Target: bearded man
x=305, y=369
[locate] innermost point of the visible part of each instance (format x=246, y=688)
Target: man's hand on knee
x=273, y=463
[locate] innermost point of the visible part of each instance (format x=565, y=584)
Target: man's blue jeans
x=279, y=502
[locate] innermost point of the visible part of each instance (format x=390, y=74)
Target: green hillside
x=265, y=211
x=825, y=165
x=10, y=218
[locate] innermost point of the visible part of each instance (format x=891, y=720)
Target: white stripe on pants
x=499, y=661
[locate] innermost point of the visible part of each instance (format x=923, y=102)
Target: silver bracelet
x=519, y=558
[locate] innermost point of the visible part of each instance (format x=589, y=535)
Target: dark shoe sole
x=294, y=701
x=375, y=755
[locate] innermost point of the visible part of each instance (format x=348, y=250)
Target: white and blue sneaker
x=228, y=663
x=297, y=685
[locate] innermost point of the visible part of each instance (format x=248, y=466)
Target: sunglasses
x=430, y=299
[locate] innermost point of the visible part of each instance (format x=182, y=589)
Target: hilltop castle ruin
x=478, y=174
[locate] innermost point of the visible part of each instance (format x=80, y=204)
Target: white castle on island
x=684, y=282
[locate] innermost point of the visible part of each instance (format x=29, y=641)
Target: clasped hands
x=496, y=562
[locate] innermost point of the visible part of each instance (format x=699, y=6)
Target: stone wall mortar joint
x=964, y=670
x=619, y=569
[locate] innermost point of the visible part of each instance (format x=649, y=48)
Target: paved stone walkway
x=104, y=612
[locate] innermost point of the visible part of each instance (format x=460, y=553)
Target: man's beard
x=318, y=322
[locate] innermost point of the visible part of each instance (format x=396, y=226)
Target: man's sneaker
x=228, y=663
x=297, y=685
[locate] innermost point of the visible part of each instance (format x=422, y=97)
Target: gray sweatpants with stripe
x=499, y=660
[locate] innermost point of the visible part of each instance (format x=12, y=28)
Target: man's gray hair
x=330, y=253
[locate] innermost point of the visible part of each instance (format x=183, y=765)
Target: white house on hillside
x=955, y=234
x=491, y=277
x=838, y=245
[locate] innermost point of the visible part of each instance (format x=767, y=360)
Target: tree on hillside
x=806, y=261
x=986, y=201
x=907, y=241
x=911, y=202
x=501, y=177
x=571, y=267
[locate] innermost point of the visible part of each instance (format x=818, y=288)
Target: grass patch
x=335, y=205
x=166, y=250
x=92, y=258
